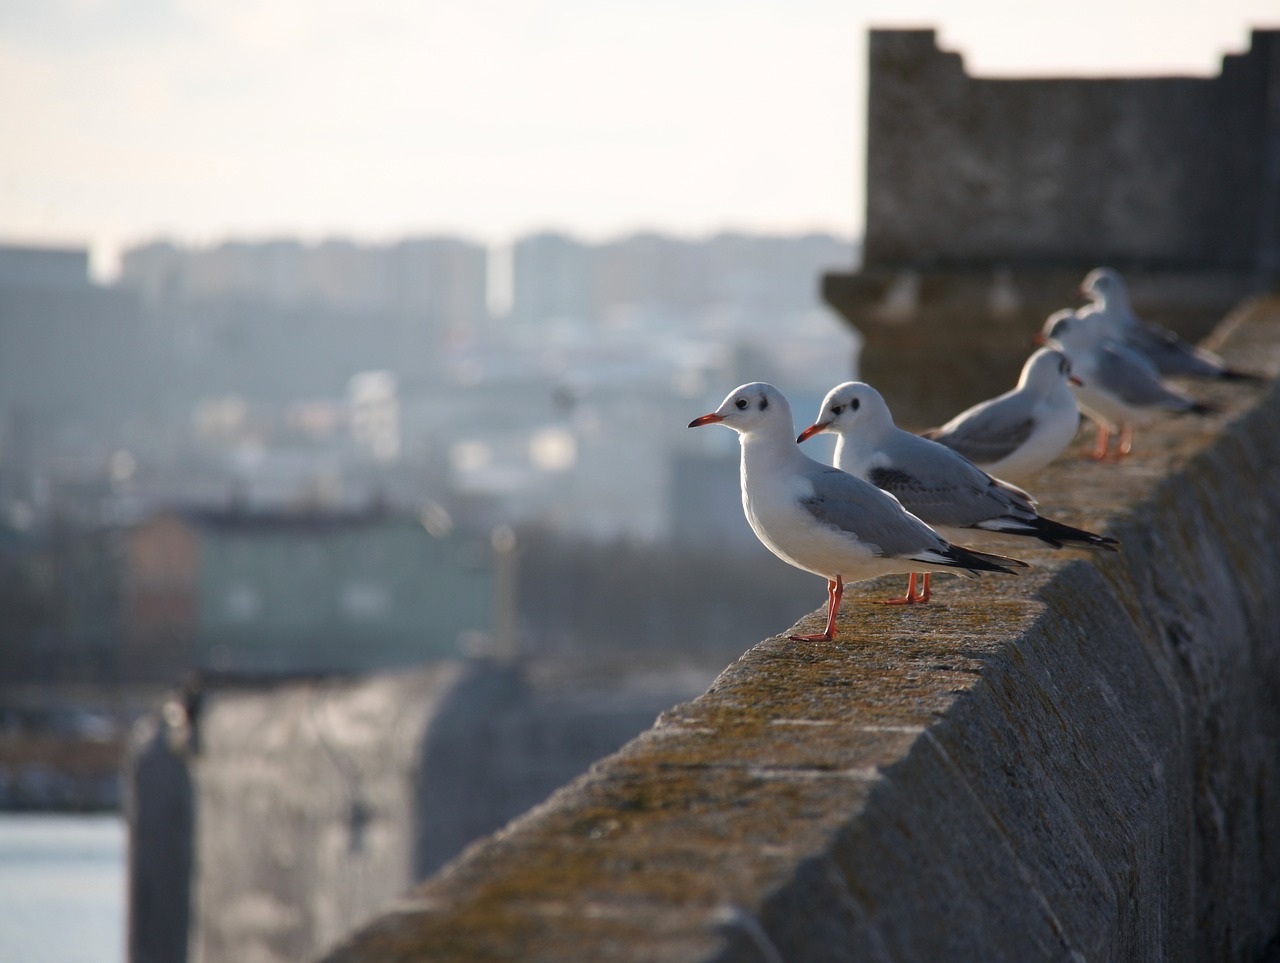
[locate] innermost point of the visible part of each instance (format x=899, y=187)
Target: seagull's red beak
x=711, y=419
x=1073, y=380
x=1038, y=339
x=811, y=431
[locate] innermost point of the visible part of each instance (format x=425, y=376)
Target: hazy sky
x=125, y=120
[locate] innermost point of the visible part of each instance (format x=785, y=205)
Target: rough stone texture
x=1077, y=764
x=1155, y=171
x=270, y=817
x=989, y=199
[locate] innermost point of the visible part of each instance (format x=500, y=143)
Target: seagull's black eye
x=853, y=405
x=836, y=409
x=741, y=404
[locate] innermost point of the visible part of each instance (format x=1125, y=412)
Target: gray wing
x=1133, y=379
x=853, y=505
x=988, y=433
x=1171, y=354
x=944, y=488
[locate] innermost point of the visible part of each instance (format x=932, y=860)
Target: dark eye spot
x=853, y=405
x=836, y=409
x=741, y=404
x=764, y=403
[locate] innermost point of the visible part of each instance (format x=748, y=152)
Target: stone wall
x=988, y=200
x=1081, y=763
x=1147, y=171
x=268, y=818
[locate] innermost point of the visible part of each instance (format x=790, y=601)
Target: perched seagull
x=1120, y=388
x=823, y=520
x=936, y=484
x=1019, y=432
x=1170, y=354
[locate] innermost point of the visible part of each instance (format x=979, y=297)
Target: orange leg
x=1101, y=443
x=912, y=598
x=925, y=593
x=1126, y=441
x=835, y=591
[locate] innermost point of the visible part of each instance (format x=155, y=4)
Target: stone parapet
x=1076, y=764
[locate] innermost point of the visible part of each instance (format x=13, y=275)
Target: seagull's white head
x=1074, y=332
x=1045, y=370
x=1103, y=284
x=852, y=409
x=749, y=408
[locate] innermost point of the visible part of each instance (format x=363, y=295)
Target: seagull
x=823, y=520
x=936, y=484
x=1019, y=432
x=1120, y=388
x=1171, y=355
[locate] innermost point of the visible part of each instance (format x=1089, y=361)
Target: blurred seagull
x=823, y=520
x=1169, y=353
x=1019, y=432
x=1120, y=387
x=936, y=484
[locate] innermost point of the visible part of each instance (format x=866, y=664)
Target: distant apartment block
x=669, y=278
x=436, y=283
x=66, y=267
x=77, y=364
x=551, y=278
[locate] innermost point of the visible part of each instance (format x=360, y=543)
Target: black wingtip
x=1059, y=535
x=987, y=561
x=1235, y=374
x=1200, y=408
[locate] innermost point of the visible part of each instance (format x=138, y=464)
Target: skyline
x=201, y=122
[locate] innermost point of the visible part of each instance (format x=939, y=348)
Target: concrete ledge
x=1078, y=764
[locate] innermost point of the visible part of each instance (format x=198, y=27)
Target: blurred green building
x=301, y=591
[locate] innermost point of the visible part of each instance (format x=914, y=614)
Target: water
x=62, y=889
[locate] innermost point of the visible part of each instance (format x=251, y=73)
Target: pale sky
x=200, y=120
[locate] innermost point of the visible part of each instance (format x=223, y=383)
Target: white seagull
x=823, y=520
x=1171, y=355
x=1120, y=388
x=1019, y=432
x=936, y=484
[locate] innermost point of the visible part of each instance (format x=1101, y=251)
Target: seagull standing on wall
x=1120, y=388
x=936, y=484
x=1169, y=353
x=1019, y=432
x=823, y=520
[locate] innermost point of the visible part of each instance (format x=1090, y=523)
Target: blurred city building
x=256, y=398
x=298, y=591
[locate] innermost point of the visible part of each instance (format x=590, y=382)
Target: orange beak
x=1038, y=339
x=1073, y=380
x=812, y=430
x=711, y=419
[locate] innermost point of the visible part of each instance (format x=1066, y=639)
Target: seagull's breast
x=1056, y=419
x=780, y=519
